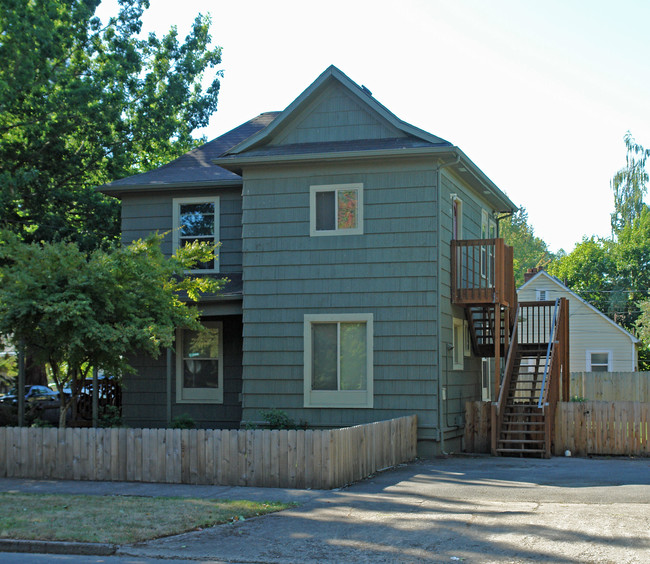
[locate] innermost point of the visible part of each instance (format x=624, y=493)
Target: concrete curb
x=57, y=547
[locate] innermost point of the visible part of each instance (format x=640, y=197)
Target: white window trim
x=338, y=398
x=177, y=202
x=458, y=324
x=539, y=295
x=610, y=355
x=198, y=395
x=313, y=190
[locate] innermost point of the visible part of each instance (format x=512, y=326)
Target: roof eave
x=167, y=186
x=236, y=163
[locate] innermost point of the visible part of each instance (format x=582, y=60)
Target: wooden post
x=168, y=388
x=95, y=399
x=20, y=388
x=497, y=350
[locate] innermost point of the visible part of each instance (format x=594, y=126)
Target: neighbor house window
x=199, y=364
x=336, y=209
x=599, y=361
x=338, y=360
x=542, y=295
x=458, y=352
x=197, y=219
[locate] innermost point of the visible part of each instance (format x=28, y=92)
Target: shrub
x=278, y=419
x=183, y=421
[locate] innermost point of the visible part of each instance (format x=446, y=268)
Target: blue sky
x=538, y=94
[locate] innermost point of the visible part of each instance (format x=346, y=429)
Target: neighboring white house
x=597, y=344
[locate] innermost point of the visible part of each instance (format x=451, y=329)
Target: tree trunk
x=35, y=374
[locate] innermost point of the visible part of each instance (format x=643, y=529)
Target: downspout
x=437, y=298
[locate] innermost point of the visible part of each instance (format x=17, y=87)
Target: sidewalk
x=474, y=509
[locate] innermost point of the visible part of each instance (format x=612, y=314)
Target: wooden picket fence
x=611, y=386
x=600, y=427
x=319, y=459
x=593, y=427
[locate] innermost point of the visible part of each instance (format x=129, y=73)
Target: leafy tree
x=84, y=102
x=529, y=251
x=614, y=274
x=76, y=310
x=630, y=186
x=589, y=271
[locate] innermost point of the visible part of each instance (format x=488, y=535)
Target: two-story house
x=336, y=221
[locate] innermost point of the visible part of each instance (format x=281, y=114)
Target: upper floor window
x=336, y=209
x=197, y=219
x=542, y=295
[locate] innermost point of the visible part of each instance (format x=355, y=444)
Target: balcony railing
x=481, y=272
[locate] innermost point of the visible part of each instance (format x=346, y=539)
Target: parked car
x=32, y=394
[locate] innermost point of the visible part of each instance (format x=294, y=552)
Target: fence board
x=313, y=458
x=611, y=386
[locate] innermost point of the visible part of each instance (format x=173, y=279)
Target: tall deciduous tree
x=84, y=102
x=76, y=310
x=529, y=250
x=630, y=186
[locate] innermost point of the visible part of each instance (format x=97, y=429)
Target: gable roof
x=564, y=288
x=330, y=75
x=407, y=140
x=194, y=168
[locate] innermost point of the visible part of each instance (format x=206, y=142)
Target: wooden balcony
x=482, y=273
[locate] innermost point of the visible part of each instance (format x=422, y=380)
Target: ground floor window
x=199, y=364
x=338, y=360
x=599, y=361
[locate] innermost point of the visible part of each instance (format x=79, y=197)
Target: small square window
x=338, y=360
x=197, y=219
x=336, y=209
x=199, y=365
x=598, y=361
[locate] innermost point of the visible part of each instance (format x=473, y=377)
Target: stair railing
x=550, y=357
x=497, y=407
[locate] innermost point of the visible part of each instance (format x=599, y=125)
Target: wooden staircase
x=522, y=429
x=533, y=337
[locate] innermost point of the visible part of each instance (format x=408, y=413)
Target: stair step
x=522, y=450
x=521, y=441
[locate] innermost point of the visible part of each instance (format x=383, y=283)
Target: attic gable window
x=197, y=219
x=336, y=209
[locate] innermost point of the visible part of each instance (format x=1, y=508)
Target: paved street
x=443, y=510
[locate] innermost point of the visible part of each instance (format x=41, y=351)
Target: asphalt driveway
x=446, y=510
x=443, y=510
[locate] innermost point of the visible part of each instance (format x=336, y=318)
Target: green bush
x=278, y=419
x=111, y=417
x=183, y=421
x=578, y=399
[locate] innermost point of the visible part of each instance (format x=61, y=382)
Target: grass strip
x=116, y=519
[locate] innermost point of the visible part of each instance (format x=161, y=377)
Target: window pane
x=197, y=219
x=325, y=211
x=353, y=356
x=599, y=368
x=323, y=369
x=200, y=373
x=599, y=358
x=200, y=265
x=201, y=344
x=347, y=209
